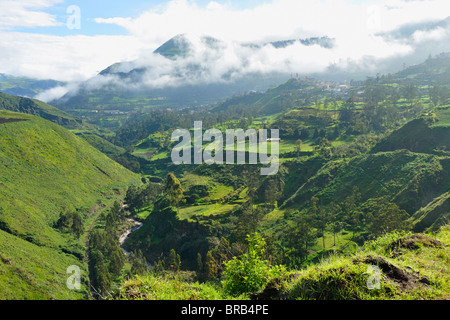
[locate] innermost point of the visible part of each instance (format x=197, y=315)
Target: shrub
x=250, y=272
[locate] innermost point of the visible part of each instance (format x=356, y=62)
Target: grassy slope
x=45, y=170
x=36, y=107
x=412, y=267
x=425, y=134
x=411, y=180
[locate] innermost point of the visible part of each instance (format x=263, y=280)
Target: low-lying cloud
x=373, y=37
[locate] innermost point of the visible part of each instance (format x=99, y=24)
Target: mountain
x=184, y=71
x=25, y=87
x=46, y=171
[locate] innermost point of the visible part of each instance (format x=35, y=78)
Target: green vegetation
x=51, y=181
x=362, y=167
x=38, y=108
x=169, y=287
x=412, y=267
x=25, y=87
x=396, y=266
x=250, y=272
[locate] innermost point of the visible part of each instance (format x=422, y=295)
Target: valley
x=363, y=181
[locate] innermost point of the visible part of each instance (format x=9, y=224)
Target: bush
x=250, y=272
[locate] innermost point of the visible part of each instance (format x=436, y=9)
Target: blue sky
x=91, y=9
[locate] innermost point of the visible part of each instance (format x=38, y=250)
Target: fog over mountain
x=224, y=41
x=198, y=60
x=187, y=60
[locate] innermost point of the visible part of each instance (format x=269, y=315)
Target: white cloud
x=434, y=34
x=356, y=27
x=54, y=93
x=25, y=13
x=69, y=58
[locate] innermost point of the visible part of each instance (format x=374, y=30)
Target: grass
x=28, y=271
x=220, y=191
x=32, y=106
x=403, y=272
x=169, y=287
x=44, y=171
x=205, y=210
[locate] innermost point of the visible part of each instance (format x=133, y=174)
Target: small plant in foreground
x=250, y=272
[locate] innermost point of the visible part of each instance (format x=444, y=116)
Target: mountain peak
x=182, y=45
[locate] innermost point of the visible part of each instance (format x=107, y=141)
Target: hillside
x=411, y=180
x=46, y=171
x=25, y=87
x=411, y=267
x=397, y=266
x=427, y=134
x=38, y=108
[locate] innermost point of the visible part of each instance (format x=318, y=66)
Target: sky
x=74, y=40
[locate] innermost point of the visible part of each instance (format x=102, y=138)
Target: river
x=135, y=225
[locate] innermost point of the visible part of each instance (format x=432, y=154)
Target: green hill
x=427, y=134
x=38, y=108
x=434, y=214
x=45, y=171
x=410, y=180
x=22, y=86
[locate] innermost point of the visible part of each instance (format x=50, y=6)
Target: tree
x=299, y=238
x=349, y=210
x=71, y=222
x=272, y=193
x=335, y=223
x=133, y=199
x=65, y=220
x=325, y=148
x=77, y=224
x=199, y=265
x=101, y=277
x=347, y=113
x=138, y=263
x=111, y=223
x=320, y=218
x=210, y=267
x=299, y=147
x=410, y=92
x=173, y=261
x=174, y=190
x=433, y=93
x=384, y=217
x=304, y=134
x=249, y=220
x=116, y=260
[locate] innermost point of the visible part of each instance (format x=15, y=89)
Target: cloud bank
x=371, y=36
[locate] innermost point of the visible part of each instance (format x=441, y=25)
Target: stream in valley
x=135, y=225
